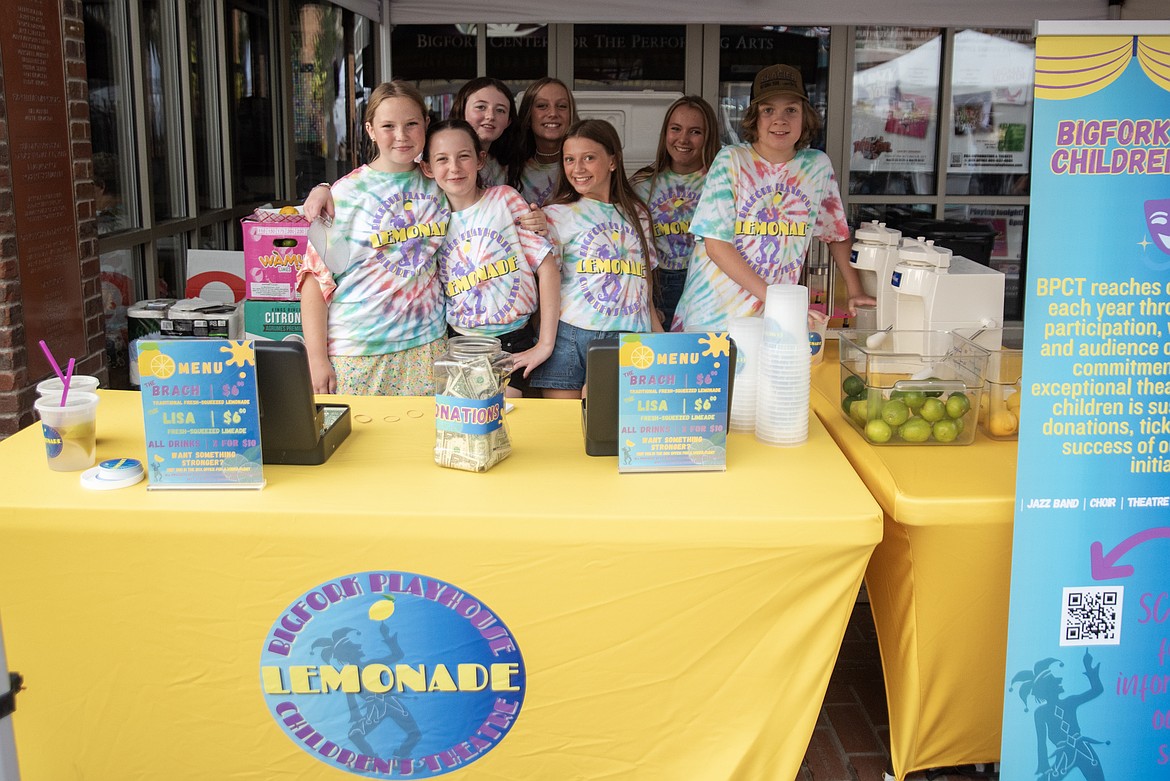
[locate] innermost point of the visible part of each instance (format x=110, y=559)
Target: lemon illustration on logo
x=679, y=202
x=383, y=609
x=642, y=357
x=616, y=236
x=407, y=205
x=777, y=199
x=152, y=363
x=626, y=352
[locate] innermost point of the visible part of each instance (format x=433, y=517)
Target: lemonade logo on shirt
x=672, y=209
x=769, y=216
x=480, y=270
x=401, y=227
x=608, y=259
x=389, y=674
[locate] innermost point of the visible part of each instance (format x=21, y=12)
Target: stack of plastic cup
x=55, y=386
x=785, y=368
x=748, y=335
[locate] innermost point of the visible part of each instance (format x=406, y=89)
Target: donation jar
x=470, y=378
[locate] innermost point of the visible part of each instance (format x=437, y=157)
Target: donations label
x=392, y=675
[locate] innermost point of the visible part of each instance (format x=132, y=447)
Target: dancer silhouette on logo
x=368, y=710
x=1056, y=721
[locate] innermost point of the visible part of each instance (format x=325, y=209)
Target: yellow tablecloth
x=673, y=626
x=937, y=583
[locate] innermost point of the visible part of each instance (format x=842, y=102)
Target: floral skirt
x=404, y=373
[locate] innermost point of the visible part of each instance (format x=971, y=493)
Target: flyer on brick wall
x=1087, y=684
x=672, y=402
x=202, y=417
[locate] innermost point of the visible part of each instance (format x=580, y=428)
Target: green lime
x=945, y=430
x=847, y=402
x=895, y=412
x=913, y=399
x=859, y=411
x=934, y=394
x=933, y=409
x=878, y=431
x=957, y=405
x=914, y=430
x=853, y=385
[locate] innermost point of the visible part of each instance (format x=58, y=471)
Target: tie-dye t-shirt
x=770, y=212
x=388, y=299
x=492, y=174
x=487, y=265
x=603, y=270
x=672, y=205
x=538, y=181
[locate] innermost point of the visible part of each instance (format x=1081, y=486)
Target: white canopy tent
x=941, y=13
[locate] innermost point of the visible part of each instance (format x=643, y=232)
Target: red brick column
x=17, y=388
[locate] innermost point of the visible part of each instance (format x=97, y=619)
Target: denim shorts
x=565, y=368
x=523, y=338
x=667, y=291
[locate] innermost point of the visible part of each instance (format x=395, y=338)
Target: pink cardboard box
x=274, y=249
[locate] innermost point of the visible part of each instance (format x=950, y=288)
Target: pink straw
x=68, y=376
x=52, y=360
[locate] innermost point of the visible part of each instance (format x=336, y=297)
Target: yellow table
x=673, y=626
x=937, y=583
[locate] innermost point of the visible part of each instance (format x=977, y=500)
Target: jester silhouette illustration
x=612, y=282
x=1056, y=721
x=367, y=710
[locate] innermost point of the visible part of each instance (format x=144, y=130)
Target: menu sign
x=199, y=403
x=672, y=402
x=47, y=245
x=1088, y=654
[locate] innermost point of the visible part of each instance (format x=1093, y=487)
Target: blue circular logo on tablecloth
x=392, y=675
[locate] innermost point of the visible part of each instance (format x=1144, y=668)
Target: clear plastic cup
x=77, y=382
x=70, y=431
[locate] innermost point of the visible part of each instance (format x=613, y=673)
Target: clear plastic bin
x=912, y=387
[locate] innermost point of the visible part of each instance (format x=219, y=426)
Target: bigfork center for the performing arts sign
x=392, y=675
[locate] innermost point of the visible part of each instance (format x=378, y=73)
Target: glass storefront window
x=991, y=113
x=517, y=54
x=111, y=116
x=894, y=137
x=250, y=109
x=204, y=109
x=629, y=57
x=743, y=51
x=320, y=79
x=438, y=58
x=164, y=123
x=1009, y=251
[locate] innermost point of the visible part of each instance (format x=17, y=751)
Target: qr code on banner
x=1091, y=615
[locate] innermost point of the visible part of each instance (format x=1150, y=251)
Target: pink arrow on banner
x=1104, y=566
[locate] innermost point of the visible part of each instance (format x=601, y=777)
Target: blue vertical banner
x=1087, y=689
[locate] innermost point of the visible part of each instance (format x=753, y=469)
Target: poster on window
x=1086, y=692
x=895, y=101
x=991, y=116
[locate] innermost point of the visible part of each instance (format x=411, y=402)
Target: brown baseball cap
x=777, y=80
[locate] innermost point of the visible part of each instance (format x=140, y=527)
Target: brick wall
x=17, y=388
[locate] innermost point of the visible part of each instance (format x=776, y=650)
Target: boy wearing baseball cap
x=763, y=203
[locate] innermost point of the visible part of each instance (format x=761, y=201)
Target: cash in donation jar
x=470, y=378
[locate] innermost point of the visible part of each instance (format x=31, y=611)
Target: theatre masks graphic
x=1158, y=221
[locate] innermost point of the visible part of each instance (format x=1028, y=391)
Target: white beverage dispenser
x=934, y=290
x=874, y=255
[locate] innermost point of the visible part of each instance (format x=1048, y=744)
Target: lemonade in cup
x=70, y=431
